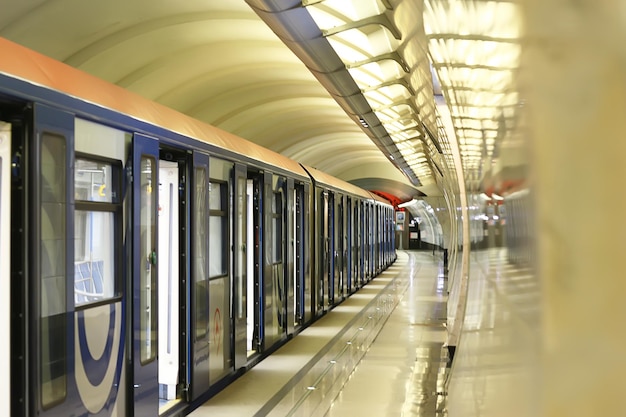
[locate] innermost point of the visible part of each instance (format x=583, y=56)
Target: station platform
x=378, y=353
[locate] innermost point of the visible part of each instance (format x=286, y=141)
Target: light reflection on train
x=152, y=260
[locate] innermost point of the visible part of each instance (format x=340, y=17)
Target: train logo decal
x=99, y=351
x=217, y=324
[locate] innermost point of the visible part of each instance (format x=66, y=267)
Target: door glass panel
x=93, y=181
x=5, y=255
x=53, y=180
x=200, y=254
x=217, y=229
x=94, y=263
x=241, y=250
x=147, y=279
x=95, y=243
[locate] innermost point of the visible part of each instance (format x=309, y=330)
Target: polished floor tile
x=401, y=374
x=379, y=353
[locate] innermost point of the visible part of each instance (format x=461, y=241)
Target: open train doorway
x=171, y=269
x=168, y=281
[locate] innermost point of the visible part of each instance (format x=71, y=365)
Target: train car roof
x=332, y=182
x=35, y=68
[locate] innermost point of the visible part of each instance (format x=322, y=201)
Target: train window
x=92, y=182
x=277, y=232
x=53, y=177
x=218, y=227
x=148, y=271
x=96, y=185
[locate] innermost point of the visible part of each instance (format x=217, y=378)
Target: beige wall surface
x=548, y=338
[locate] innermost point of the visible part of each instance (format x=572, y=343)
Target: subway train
x=148, y=259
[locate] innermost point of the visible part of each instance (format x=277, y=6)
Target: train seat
x=88, y=281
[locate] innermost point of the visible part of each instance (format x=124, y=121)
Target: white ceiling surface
x=215, y=61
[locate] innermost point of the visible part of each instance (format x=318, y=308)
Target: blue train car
x=147, y=258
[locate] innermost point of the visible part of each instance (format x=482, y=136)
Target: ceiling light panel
x=474, y=46
x=393, y=72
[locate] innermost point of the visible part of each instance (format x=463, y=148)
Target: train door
x=254, y=323
x=5, y=253
x=369, y=217
x=289, y=249
x=274, y=283
x=331, y=249
x=66, y=266
x=46, y=296
x=355, y=244
x=143, y=285
x=341, y=245
x=299, y=283
x=14, y=138
x=376, y=239
x=200, y=332
x=348, y=246
x=240, y=267
x=323, y=262
x=361, y=245
x=372, y=240
x=220, y=325
x=303, y=252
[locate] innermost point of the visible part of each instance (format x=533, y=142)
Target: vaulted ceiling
x=214, y=60
x=345, y=86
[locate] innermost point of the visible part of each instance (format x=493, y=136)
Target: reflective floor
x=496, y=364
x=403, y=371
x=377, y=354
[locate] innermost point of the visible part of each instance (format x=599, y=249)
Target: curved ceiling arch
x=184, y=64
x=208, y=84
x=270, y=110
x=382, y=169
x=338, y=162
x=334, y=142
x=228, y=23
x=318, y=153
x=216, y=61
x=101, y=25
x=301, y=144
x=262, y=98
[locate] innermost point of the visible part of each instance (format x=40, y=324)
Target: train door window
x=53, y=269
x=274, y=278
x=277, y=235
x=96, y=239
x=200, y=277
x=147, y=279
x=220, y=300
x=218, y=228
